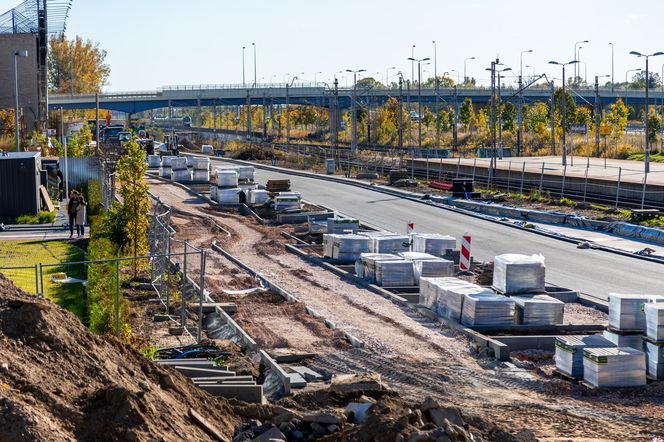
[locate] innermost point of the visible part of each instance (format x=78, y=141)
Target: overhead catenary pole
x=613, y=81
x=552, y=111
x=243, y=80
x=564, y=107
x=255, y=72
x=435, y=87
x=353, y=142
x=597, y=116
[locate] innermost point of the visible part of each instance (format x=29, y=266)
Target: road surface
x=593, y=272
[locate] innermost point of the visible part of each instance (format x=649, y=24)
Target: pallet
x=564, y=376
x=502, y=292
x=652, y=341
x=625, y=332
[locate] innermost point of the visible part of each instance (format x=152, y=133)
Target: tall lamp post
x=22, y=53
x=631, y=70
x=519, y=117
x=564, y=109
x=353, y=141
x=613, y=82
x=254, y=45
x=243, y=81
x=647, y=117
x=575, y=59
x=529, y=51
x=435, y=91
x=419, y=97
x=465, y=77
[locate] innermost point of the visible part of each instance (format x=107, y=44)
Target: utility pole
x=564, y=105
x=287, y=116
x=519, y=119
x=455, y=128
x=553, y=118
x=243, y=81
x=400, y=114
x=254, y=45
x=435, y=76
x=597, y=116
x=493, y=120
x=353, y=130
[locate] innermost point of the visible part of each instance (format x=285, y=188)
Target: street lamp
x=631, y=70
x=419, y=97
x=564, y=106
x=315, y=77
x=521, y=60
x=243, y=81
x=457, y=75
x=353, y=141
x=254, y=45
x=22, y=53
x=533, y=68
x=465, y=77
x=647, y=117
x=387, y=75
x=612, y=65
x=575, y=59
x=412, y=64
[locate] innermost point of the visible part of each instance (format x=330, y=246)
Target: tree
x=654, y=126
x=369, y=83
x=617, y=118
x=131, y=170
x=89, y=68
x=570, y=108
x=466, y=113
x=509, y=116
x=536, y=117
x=583, y=116
x=639, y=81
x=443, y=82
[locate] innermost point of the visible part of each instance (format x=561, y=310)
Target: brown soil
x=60, y=382
x=419, y=358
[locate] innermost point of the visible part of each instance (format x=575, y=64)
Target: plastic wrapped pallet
x=207, y=149
x=395, y=273
x=257, y=197
x=432, y=243
x=538, y=310
x=432, y=268
x=228, y=196
x=429, y=292
x=655, y=359
x=451, y=296
x=227, y=178
x=198, y=163
x=166, y=160
x=245, y=187
x=626, y=312
x=345, y=248
x=414, y=256
x=154, y=161
x=213, y=193
x=181, y=175
x=487, y=309
x=342, y=225
x=654, y=313
x=200, y=175
x=179, y=163
x=633, y=340
x=389, y=244
x=515, y=274
x=287, y=203
x=614, y=367
x=245, y=173
x=165, y=171
x=569, y=352
x=366, y=264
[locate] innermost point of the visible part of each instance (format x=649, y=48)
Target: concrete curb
x=281, y=373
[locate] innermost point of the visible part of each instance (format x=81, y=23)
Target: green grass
x=41, y=218
x=29, y=253
x=655, y=158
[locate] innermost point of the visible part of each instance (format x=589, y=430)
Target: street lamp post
x=254, y=45
x=519, y=116
x=578, y=69
x=17, y=132
x=419, y=98
x=243, y=81
x=500, y=114
x=435, y=91
x=353, y=142
x=387, y=76
x=598, y=115
x=521, y=60
x=613, y=82
x=575, y=45
x=288, y=85
x=647, y=117
x=465, y=76
x=564, y=109
x=631, y=70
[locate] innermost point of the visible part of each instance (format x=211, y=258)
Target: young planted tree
x=131, y=170
x=466, y=113
x=654, y=126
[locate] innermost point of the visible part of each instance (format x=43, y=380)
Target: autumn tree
x=654, y=126
x=616, y=119
x=570, y=108
x=466, y=113
x=131, y=169
x=85, y=58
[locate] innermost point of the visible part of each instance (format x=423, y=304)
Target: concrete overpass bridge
x=319, y=95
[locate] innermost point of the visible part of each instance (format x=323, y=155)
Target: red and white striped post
x=464, y=257
x=410, y=229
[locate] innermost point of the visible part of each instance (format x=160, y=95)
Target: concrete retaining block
x=247, y=393
x=192, y=372
x=222, y=379
x=281, y=373
x=527, y=342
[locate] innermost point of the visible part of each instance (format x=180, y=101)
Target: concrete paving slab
x=192, y=372
x=308, y=374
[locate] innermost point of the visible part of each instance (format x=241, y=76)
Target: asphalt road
x=594, y=272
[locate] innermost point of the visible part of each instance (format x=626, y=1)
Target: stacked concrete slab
x=515, y=274
x=538, y=310
x=569, y=352
x=654, y=340
x=433, y=243
x=614, y=367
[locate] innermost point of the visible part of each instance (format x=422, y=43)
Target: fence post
x=618, y=186
x=643, y=192
x=509, y=175
x=201, y=286
x=541, y=179
x=41, y=280
x=523, y=175
x=474, y=168
x=585, y=186
x=183, y=316
x=458, y=166
x=562, y=189
x=117, y=298
x=36, y=281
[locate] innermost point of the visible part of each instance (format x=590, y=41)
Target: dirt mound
x=58, y=381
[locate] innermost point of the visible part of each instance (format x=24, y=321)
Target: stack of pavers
x=433, y=243
x=395, y=273
x=226, y=191
x=207, y=149
x=627, y=320
x=165, y=169
x=154, y=161
x=276, y=186
x=446, y=296
x=365, y=267
x=245, y=177
x=487, y=309
x=257, y=197
x=344, y=248
x=288, y=201
x=201, y=169
x=538, y=310
x=429, y=266
x=342, y=225
x=389, y=244
x=515, y=274
x=569, y=352
x=217, y=380
x=179, y=170
x=614, y=367
x=654, y=340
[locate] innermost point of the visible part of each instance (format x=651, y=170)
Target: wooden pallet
x=565, y=376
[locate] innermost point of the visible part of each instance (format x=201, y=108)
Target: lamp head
x=426, y=59
x=21, y=53
x=638, y=54
x=657, y=53
x=411, y=59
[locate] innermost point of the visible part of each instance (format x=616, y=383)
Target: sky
x=154, y=43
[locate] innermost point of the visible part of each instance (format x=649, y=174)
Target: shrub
x=27, y=219
x=45, y=217
x=567, y=202
x=95, y=200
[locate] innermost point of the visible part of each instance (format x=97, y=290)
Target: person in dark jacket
x=72, y=209
x=61, y=184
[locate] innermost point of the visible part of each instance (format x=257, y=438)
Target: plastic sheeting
x=245, y=187
x=614, y=367
x=342, y=225
x=446, y=296
x=432, y=268
x=165, y=171
x=257, y=197
x=227, y=178
x=154, y=161
x=538, y=310
x=179, y=163
x=395, y=273
x=213, y=193
x=487, y=309
x=245, y=173
x=654, y=313
x=200, y=175
x=166, y=160
x=228, y=196
x=365, y=267
x=633, y=340
x=626, y=312
x=432, y=243
x=287, y=203
x=389, y=244
x=414, y=256
x=181, y=175
x=199, y=163
x=569, y=352
x=655, y=359
x=345, y=248
x=516, y=274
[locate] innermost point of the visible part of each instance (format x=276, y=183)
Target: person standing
x=61, y=184
x=72, y=206
x=80, y=216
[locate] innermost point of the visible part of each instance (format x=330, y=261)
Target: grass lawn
x=29, y=253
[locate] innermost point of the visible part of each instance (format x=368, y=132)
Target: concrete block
x=193, y=372
x=281, y=373
x=296, y=380
x=192, y=364
x=528, y=342
x=247, y=393
x=209, y=307
x=222, y=379
x=271, y=435
x=308, y=374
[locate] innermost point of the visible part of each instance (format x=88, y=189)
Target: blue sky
x=152, y=43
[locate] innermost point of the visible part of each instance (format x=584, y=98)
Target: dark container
x=19, y=183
